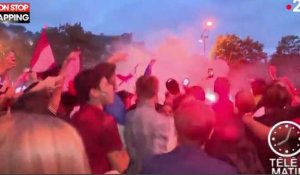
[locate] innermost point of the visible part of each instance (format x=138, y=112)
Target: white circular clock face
x=287, y=145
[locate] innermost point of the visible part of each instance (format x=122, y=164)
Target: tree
x=286, y=58
x=288, y=46
x=233, y=49
x=253, y=51
x=287, y=51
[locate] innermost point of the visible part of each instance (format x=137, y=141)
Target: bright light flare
x=211, y=97
x=209, y=23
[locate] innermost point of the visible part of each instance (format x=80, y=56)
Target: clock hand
x=289, y=133
x=286, y=139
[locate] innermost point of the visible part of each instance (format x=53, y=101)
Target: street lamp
x=204, y=35
x=209, y=23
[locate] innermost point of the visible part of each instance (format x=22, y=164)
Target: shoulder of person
x=223, y=167
x=84, y=113
x=108, y=120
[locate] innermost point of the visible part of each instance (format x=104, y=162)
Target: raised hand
x=52, y=83
x=116, y=57
x=74, y=55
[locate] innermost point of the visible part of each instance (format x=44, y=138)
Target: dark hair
x=172, y=86
x=258, y=86
x=108, y=69
x=34, y=102
x=276, y=96
x=69, y=99
x=147, y=86
x=197, y=92
x=85, y=81
x=222, y=86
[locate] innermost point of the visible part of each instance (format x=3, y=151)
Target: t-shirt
x=100, y=136
x=147, y=132
x=185, y=160
x=116, y=110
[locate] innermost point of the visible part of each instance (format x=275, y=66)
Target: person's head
x=182, y=99
x=244, y=101
x=194, y=121
x=40, y=144
x=276, y=96
x=222, y=87
x=147, y=87
x=92, y=86
x=197, y=92
x=109, y=71
x=172, y=86
x=8, y=60
x=258, y=86
x=126, y=97
x=33, y=102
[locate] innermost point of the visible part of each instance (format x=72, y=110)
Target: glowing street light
x=204, y=35
x=209, y=23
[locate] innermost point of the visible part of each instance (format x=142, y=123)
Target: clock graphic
x=284, y=139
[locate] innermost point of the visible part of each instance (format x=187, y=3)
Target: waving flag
x=148, y=70
x=126, y=78
x=72, y=70
x=43, y=58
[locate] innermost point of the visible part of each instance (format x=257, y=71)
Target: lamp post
x=204, y=35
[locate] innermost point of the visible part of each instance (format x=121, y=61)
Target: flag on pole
x=72, y=70
x=43, y=58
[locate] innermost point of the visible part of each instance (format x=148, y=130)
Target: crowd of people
x=92, y=128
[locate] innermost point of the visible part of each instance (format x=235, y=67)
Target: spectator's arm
x=7, y=98
x=56, y=96
x=119, y=160
x=116, y=57
x=117, y=156
x=260, y=130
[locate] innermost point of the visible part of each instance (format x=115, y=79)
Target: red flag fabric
x=72, y=70
x=43, y=58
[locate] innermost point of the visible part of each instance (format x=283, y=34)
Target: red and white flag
x=43, y=58
x=72, y=70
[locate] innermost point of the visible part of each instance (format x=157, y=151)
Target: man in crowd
x=98, y=130
x=7, y=62
x=194, y=123
x=117, y=108
x=147, y=132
